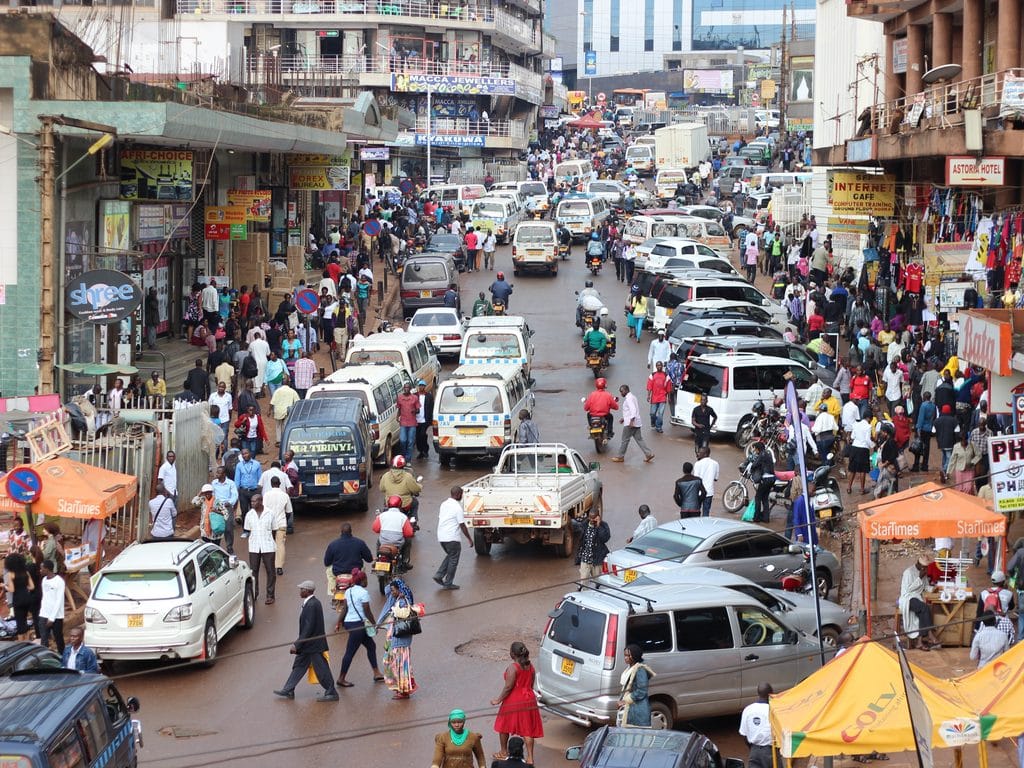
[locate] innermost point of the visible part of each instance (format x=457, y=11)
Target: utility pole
x=784, y=78
x=48, y=161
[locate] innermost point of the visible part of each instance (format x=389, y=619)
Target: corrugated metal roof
x=39, y=703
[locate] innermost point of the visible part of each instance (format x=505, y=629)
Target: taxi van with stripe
x=497, y=339
x=476, y=411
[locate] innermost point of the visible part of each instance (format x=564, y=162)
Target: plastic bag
x=311, y=675
x=749, y=512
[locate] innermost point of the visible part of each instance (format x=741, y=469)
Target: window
x=651, y=631
x=703, y=629
x=804, y=379
x=92, y=728
x=731, y=548
x=66, y=752
x=588, y=25
x=767, y=545
x=663, y=543
x=469, y=399
x=213, y=564
x=648, y=25
x=579, y=628
x=760, y=628
x=137, y=585
x=702, y=377
x=614, y=29
x=189, y=572
x=745, y=377
x=116, y=708
x=581, y=465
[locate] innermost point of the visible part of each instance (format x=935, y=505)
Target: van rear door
x=328, y=458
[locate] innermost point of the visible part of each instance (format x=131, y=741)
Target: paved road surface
x=227, y=715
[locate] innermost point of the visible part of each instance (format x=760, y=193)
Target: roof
x=390, y=339
x=371, y=373
x=495, y=321
x=34, y=706
x=150, y=554
x=694, y=595
x=493, y=370
x=724, y=358
x=322, y=408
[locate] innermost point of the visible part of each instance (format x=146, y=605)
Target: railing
x=515, y=129
x=515, y=27
x=942, y=100
x=450, y=10
x=355, y=64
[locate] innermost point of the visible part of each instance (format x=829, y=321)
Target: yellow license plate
x=382, y=567
x=518, y=521
x=825, y=514
x=322, y=478
x=535, y=253
x=134, y=620
x=470, y=430
x=630, y=575
x=568, y=667
x=424, y=294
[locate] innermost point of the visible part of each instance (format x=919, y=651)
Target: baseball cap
x=205, y=488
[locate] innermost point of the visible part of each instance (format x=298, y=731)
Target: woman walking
x=19, y=586
x=634, y=705
x=458, y=746
x=397, y=661
x=357, y=617
x=518, y=713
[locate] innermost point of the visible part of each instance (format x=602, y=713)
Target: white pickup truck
x=534, y=494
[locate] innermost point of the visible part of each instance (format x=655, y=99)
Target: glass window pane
x=651, y=631
x=703, y=629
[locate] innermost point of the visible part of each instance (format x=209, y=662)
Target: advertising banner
x=156, y=174
x=852, y=193
x=945, y=258
x=967, y=171
x=455, y=84
x=319, y=178
x=102, y=296
x=590, y=63
x=450, y=140
x=707, y=81
x=985, y=342
x=255, y=201
x=218, y=231
x=1006, y=469
x=374, y=153
x=115, y=225
x=1012, y=104
x=150, y=223
x=224, y=214
x=847, y=225
x=899, y=56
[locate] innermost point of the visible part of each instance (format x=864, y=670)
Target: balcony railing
x=515, y=129
x=356, y=64
x=942, y=100
x=512, y=26
x=450, y=10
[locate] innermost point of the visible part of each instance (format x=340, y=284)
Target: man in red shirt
x=408, y=409
x=658, y=387
x=815, y=323
x=860, y=389
x=472, y=248
x=601, y=403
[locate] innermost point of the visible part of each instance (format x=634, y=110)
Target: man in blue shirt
x=926, y=414
x=247, y=480
x=226, y=492
x=346, y=552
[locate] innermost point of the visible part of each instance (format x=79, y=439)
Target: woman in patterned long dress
x=397, y=661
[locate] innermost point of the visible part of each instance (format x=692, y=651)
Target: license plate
x=470, y=430
x=134, y=620
x=630, y=576
x=825, y=514
x=322, y=478
x=568, y=667
x=424, y=294
x=382, y=567
x=534, y=253
x=593, y=360
x=518, y=521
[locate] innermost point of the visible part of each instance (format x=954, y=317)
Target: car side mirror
x=795, y=549
x=734, y=762
x=595, y=466
x=573, y=753
x=133, y=704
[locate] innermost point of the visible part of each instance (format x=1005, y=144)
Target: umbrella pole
x=958, y=757
x=26, y=518
x=982, y=754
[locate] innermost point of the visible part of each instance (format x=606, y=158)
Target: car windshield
x=443, y=243
x=470, y=398
x=574, y=209
x=714, y=229
x=428, y=272
x=718, y=265
x=493, y=344
x=638, y=151
x=433, y=319
x=137, y=585
x=665, y=543
x=322, y=441
x=534, y=235
x=488, y=209
x=700, y=377
x=534, y=188
x=579, y=628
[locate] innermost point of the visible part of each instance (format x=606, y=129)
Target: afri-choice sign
x=102, y=296
x=1006, y=468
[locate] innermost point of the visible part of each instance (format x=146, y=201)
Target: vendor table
x=954, y=619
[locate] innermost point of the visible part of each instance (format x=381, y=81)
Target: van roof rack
x=618, y=593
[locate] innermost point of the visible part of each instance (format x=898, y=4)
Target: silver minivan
x=710, y=647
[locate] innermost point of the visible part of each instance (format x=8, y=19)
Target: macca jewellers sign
x=102, y=296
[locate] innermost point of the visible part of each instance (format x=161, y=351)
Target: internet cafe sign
x=985, y=342
x=865, y=194
x=102, y=296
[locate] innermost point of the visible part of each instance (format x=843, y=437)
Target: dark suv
x=612, y=747
x=21, y=656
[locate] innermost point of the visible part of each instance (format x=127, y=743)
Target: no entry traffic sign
x=372, y=227
x=24, y=485
x=306, y=301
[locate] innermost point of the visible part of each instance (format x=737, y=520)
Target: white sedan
x=442, y=325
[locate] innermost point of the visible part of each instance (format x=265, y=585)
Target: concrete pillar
x=915, y=59
x=893, y=88
x=942, y=40
x=1008, y=39
x=972, y=39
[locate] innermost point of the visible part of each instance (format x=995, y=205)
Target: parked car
x=707, y=345
x=729, y=545
x=449, y=244
x=717, y=214
x=443, y=326
x=164, y=600
x=614, y=747
x=21, y=656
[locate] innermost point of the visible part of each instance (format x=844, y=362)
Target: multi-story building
x=636, y=35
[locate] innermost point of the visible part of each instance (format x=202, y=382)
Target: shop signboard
x=951, y=295
x=860, y=150
x=225, y=214
x=450, y=140
x=847, y=225
x=550, y=111
x=1006, y=469
x=968, y=171
x=328, y=174
x=255, y=201
x=102, y=296
x=759, y=71
x=115, y=225
x=899, y=56
x=865, y=194
x=220, y=231
x=985, y=342
x=374, y=153
x=156, y=174
x=1012, y=103
x=707, y=81
x=150, y=223
x=945, y=258
x=455, y=84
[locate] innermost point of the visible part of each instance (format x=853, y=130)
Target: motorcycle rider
x=588, y=299
x=500, y=290
x=596, y=340
x=565, y=237
x=595, y=247
x=629, y=204
x=601, y=403
x=398, y=481
x=393, y=527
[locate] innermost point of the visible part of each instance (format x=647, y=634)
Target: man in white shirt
x=168, y=474
x=648, y=523
x=259, y=527
x=707, y=470
x=275, y=471
x=226, y=492
x=211, y=305
x=988, y=641
x=849, y=415
x=451, y=521
x=757, y=730
x=51, y=609
x=223, y=400
x=892, y=377
x=824, y=430
x=631, y=426
x=162, y=513
x=279, y=504
x=659, y=351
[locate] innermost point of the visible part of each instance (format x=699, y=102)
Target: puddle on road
x=184, y=732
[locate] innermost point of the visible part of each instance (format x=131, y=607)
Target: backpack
x=249, y=368
x=992, y=604
x=217, y=523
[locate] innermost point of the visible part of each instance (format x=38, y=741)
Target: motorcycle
x=497, y=307
x=827, y=500
x=737, y=495
x=563, y=251
x=597, y=362
x=594, y=264
x=389, y=563
x=599, y=429
x=799, y=579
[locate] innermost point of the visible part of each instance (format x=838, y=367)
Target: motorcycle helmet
x=603, y=312
x=594, y=236
x=588, y=284
x=398, y=462
x=395, y=501
x=758, y=408
x=501, y=275
x=601, y=383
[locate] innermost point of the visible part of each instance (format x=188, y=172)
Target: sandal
x=500, y=756
x=379, y=679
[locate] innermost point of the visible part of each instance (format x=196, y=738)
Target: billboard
x=707, y=81
x=865, y=194
x=255, y=201
x=156, y=174
x=590, y=63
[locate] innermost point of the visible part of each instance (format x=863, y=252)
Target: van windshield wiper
x=634, y=549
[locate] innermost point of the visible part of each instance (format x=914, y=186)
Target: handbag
x=407, y=627
x=368, y=626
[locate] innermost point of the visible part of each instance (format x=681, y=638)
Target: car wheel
x=824, y=579
x=830, y=638
x=480, y=543
x=248, y=607
x=387, y=453
x=661, y=716
x=209, y=657
x=565, y=549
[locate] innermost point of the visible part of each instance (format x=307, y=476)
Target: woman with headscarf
x=397, y=661
x=456, y=747
x=519, y=712
x=634, y=703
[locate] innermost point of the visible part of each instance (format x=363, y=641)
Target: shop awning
x=927, y=511
x=857, y=704
x=73, y=489
x=996, y=693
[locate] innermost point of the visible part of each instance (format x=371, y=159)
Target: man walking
x=631, y=426
x=658, y=386
x=702, y=419
x=309, y=648
x=259, y=526
x=490, y=243
x=593, y=537
x=279, y=504
x=451, y=522
x=689, y=493
x=162, y=514
x=408, y=410
x=756, y=729
x=247, y=479
x=51, y=609
x=424, y=418
x=282, y=401
x=707, y=470
x=225, y=492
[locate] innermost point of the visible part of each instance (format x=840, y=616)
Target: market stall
x=926, y=511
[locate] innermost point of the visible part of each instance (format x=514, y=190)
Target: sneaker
x=450, y=586
x=285, y=694
x=649, y=459
x=439, y=580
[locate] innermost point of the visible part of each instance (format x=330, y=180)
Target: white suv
x=168, y=600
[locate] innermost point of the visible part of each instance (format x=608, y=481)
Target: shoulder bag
x=406, y=626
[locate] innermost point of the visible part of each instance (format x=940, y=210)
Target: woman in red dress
x=518, y=713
